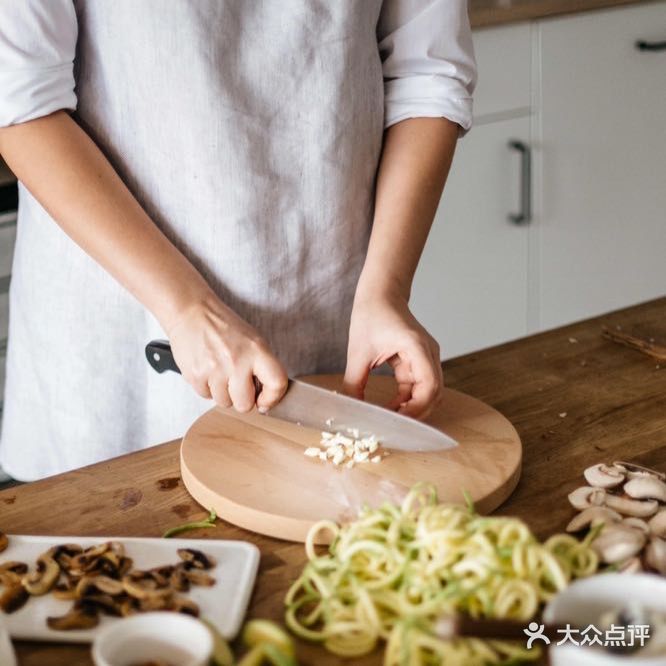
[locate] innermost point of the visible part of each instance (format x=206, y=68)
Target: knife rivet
x=156, y=356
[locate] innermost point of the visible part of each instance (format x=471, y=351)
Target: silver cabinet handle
x=525, y=214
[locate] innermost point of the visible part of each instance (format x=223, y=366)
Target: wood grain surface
x=486, y=13
x=574, y=397
x=251, y=468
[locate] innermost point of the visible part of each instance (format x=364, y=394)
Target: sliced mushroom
x=199, y=577
x=4, y=541
x=155, y=602
x=162, y=575
x=604, y=476
x=637, y=523
x=632, y=565
x=14, y=567
x=646, y=487
x=618, y=543
x=13, y=596
x=631, y=507
x=586, y=496
x=184, y=605
x=91, y=584
x=595, y=515
x=44, y=578
x=196, y=558
x=655, y=555
x=179, y=581
x=63, y=553
x=632, y=470
x=80, y=616
x=657, y=524
x=104, y=603
x=64, y=592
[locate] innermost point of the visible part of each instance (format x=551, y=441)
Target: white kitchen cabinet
x=602, y=227
x=470, y=290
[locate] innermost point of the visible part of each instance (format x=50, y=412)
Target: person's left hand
x=384, y=330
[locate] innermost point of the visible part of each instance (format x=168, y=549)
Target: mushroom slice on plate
x=44, y=578
x=4, y=541
x=80, y=616
x=179, y=580
x=199, y=577
x=646, y=487
x=593, y=516
x=604, y=476
x=632, y=470
x=184, y=605
x=586, y=496
x=14, y=567
x=162, y=575
x=632, y=507
x=14, y=595
x=196, y=558
x=655, y=555
x=657, y=524
x=618, y=543
x=104, y=603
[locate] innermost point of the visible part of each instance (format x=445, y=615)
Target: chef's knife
x=319, y=408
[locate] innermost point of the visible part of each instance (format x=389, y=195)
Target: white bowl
x=586, y=600
x=174, y=638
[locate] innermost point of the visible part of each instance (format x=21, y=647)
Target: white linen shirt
x=250, y=132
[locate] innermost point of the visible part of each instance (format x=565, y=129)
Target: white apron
x=250, y=132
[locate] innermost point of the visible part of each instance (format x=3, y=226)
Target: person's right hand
x=220, y=354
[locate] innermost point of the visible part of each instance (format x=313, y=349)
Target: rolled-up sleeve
x=37, y=46
x=428, y=60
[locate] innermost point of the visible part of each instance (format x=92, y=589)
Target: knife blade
x=316, y=407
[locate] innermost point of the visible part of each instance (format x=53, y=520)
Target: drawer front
x=504, y=61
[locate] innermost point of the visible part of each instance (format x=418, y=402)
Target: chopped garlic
x=347, y=450
x=338, y=457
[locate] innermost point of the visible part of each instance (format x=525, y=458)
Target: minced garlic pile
x=348, y=449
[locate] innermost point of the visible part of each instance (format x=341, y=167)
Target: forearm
x=415, y=162
x=68, y=174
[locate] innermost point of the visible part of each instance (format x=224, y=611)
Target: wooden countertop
x=484, y=13
x=575, y=398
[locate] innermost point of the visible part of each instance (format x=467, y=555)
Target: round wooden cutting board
x=252, y=471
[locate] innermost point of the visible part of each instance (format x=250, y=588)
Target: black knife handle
x=160, y=356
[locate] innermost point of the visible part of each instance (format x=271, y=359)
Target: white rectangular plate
x=224, y=604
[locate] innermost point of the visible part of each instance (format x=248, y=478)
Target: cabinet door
x=603, y=218
x=470, y=290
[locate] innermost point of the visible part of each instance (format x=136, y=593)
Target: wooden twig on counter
x=655, y=351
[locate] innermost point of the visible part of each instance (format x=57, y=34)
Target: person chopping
x=253, y=180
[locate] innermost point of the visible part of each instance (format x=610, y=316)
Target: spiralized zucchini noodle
x=389, y=575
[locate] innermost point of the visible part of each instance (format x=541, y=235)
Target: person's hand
x=384, y=330
x=220, y=354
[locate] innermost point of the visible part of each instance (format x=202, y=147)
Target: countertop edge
x=488, y=16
